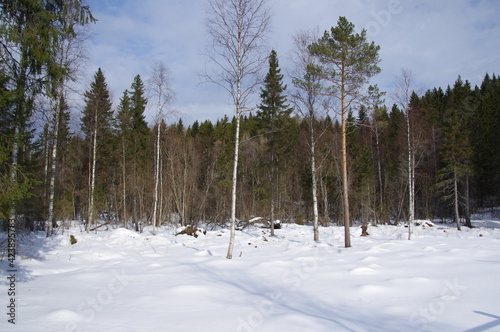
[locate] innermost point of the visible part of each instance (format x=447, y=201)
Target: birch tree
x=161, y=91
x=306, y=97
x=346, y=62
x=402, y=95
x=238, y=29
x=68, y=55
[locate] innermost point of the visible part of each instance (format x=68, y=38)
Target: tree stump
x=364, y=230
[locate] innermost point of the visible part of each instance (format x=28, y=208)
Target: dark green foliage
x=30, y=35
x=456, y=135
x=274, y=123
x=135, y=150
x=456, y=152
x=485, y=126
x=97, y=113
x=273, y=117
x=138, y=104
x=352, y=57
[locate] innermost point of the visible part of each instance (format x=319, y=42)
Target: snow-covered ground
x=120, y=280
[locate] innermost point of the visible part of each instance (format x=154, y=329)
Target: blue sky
x=436, y=40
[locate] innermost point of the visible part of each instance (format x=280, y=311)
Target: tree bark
x=157, y=178
x=53, y=166
x=467, y=202
x=456, y=201
x=345, y=184
x=233, y=193
x=314, y=181
x=410, y=177
x=124, y=180
x=92, y=176
x=238, y=28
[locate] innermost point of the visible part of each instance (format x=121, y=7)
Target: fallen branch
x=106, y=223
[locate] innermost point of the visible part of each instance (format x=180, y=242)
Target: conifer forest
x=304, y=145
x=220, y=165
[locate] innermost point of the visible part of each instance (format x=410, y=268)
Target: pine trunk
x=345, y=185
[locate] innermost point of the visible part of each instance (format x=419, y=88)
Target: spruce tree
x=456, y=148
x=140, y=161
x=274, y=122
x=124, y=128
x=486, y=138
x=96, y=126
x=138, y=104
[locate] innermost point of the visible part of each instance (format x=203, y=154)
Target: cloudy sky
x=436, y=40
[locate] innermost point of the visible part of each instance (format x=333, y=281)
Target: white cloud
x=437, y=40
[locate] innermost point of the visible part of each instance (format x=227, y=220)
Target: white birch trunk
x=92, y=176
x=233, y=196
x=411, y=178
x=53, y=166
x=157, y=179
x=238, y=28
x=314, y=182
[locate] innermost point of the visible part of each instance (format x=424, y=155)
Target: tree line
x=300, y=151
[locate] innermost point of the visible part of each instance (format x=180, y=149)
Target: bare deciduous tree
x=402, y=95
x=238, y=29
x=305, y=97
x=161, y=90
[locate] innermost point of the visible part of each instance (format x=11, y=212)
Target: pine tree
x=274, y=121
x=347, y=61
x=96, y=126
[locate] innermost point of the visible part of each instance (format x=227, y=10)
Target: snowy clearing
x=120, y=280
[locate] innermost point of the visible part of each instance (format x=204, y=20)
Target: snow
x=120, y=280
